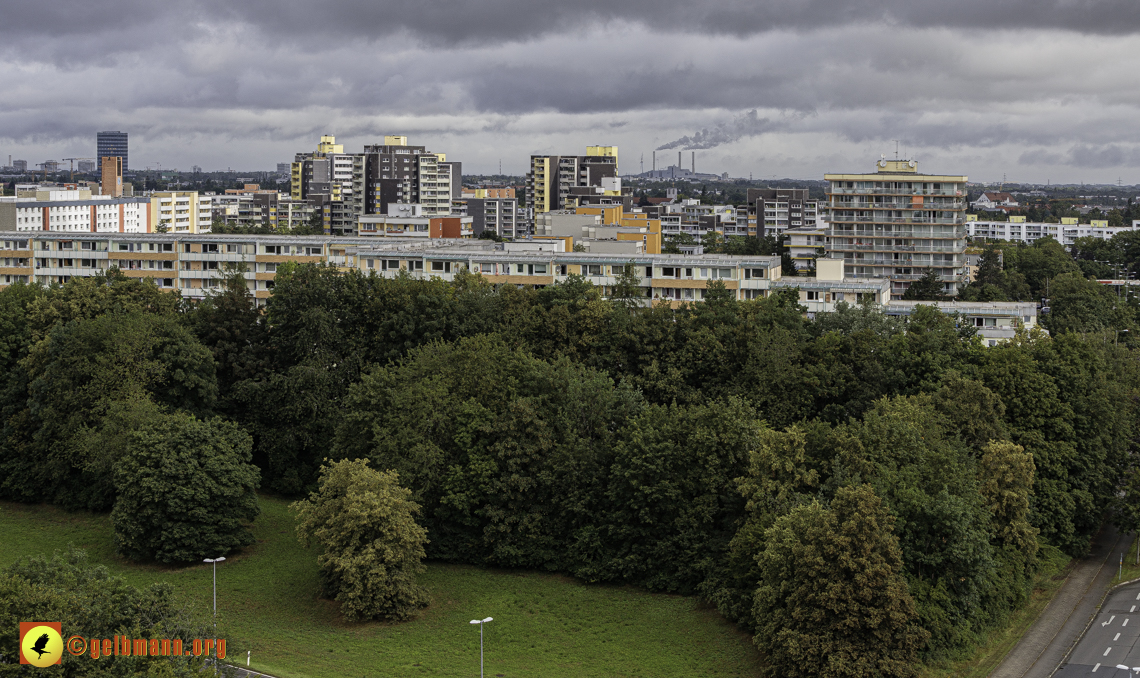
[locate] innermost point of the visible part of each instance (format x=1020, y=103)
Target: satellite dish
x=882, y=163
x=911, y=163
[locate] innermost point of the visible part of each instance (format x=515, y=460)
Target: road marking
x=1132, y=610
x=1096, y=667
x=1116, y=638
x=1126, y=621
x=1106, y=652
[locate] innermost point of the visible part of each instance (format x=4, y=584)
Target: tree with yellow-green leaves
x=365, y=522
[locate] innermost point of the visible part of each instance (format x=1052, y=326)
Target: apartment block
x=498, y=215
x=551, y=177
x=778, y=209
x=180, y=212
x=1017, y=229
x=896, y=224
x=73, y=211
x=805, y=244
x=325, y=177
x=412, y=221
x=396, y=172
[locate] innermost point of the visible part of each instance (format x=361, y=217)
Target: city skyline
x=1033, y=92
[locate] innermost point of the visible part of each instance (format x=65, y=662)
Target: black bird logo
x=41, y=643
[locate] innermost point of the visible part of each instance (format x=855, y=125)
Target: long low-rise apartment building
x=1017, y=229
x=195, y=264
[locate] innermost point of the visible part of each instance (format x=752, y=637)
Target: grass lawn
x=1054, y=567
x=544, y=625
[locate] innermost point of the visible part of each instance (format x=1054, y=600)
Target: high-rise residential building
x=550, y=178
x=20, y=165
x=395, y=172
x=896, y=223
x=112, y=144
x=111, y=175
x=325, y=178
x=778, y=209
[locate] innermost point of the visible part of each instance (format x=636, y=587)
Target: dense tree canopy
x=690, y=450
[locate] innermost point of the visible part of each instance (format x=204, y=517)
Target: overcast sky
x=1036, y=90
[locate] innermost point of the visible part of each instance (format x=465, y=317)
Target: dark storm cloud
x=446, y=22
x=497, y=20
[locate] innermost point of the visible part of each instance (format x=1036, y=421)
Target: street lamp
x=480, y=622
x=1129, y=670
x=214, y=562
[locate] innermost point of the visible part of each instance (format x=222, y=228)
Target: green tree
x=186, y=490
x=832, y=599
x=1007, y=473
x=372, y=547
x=627, y=291
x=927, y=288
x=90, y=602
x=77, y=376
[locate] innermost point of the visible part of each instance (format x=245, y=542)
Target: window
x=668, y=272
x=593, y=269
x=757, y=273
x=210, y=248
x=444, y=266
x=812, y=295
x=312, y=251
x=65, y=245
x=370, y=263
x=393, y=264
x=270, y=268
x=127, y=247
x=486, y=268
x=540, y=269
x=232, y=249
x=560, y=269
x=269, y=249
x=416, y=265
x=166, y=247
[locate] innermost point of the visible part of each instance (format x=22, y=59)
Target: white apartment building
x=896, y=223
x=1066, y=232
x=74, y=211
x=805, y=243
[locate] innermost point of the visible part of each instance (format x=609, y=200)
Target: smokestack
x=694, y=162
x=654, y=161
x=678, y=161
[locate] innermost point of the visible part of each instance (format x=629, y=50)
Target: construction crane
x=72, y=160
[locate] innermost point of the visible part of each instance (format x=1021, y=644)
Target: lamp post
x=480, y=622
x=1129, y=670
x=214, y=562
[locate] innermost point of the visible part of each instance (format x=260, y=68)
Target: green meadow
x=544, y=624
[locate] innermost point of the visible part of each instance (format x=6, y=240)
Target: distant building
x=111, y=144
x=87, y=166
x=897, y=224
x=180, y=212
x=805, y=244
x=284, y=167
x=111, y=175
x=72, y=210
x=498, y=215
x=1017, y=229
x=994, y=200
x=778, y=209
x=550, y=178
x=20, y=165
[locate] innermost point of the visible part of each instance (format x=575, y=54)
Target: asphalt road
x=1112, y=639
x=1057, y=629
